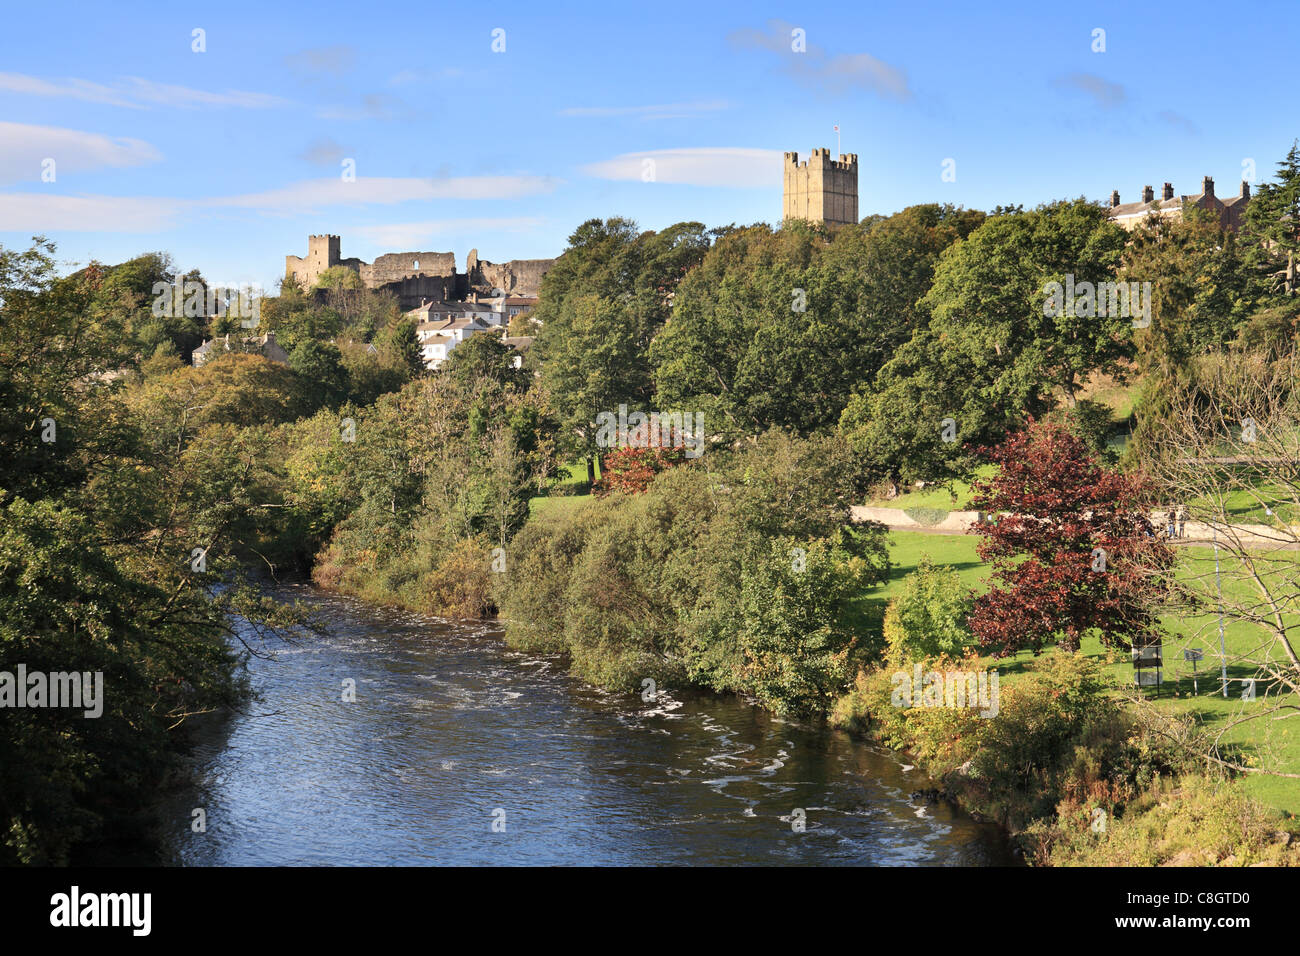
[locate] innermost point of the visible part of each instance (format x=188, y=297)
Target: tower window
x=415, y=264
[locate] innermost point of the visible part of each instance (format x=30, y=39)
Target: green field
x=1280, y=738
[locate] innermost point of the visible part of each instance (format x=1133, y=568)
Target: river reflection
x=452, y=731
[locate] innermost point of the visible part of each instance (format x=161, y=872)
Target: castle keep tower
x=822, y=189
x=322, y=254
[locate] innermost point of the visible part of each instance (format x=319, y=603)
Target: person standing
x=1182, y=521
x=1172, y=526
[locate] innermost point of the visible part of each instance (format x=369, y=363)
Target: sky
x=502, y=127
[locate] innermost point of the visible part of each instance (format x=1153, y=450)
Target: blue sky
x=229, y=158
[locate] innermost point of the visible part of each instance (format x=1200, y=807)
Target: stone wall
x=517, y=277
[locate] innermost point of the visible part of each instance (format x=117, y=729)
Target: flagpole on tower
x=837, y=140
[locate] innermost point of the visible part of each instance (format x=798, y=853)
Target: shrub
x=928, y=618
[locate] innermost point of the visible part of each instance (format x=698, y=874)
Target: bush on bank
x=737, y=572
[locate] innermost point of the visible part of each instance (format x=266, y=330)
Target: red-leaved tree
x=630, y=470
x=1071, y=548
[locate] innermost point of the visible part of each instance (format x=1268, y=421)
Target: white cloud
x=165, y=94
x=23, y=149
x=665, y=111
x=311, y=194
x=42, y=213
x=51, y=212
x=412, y=235
x=819, y=69
x=701, y=166
x=335, y=60
x=68, y=89
x=136, y=93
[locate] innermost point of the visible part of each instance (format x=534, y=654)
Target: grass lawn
x=1279, y=738
x=570, y=490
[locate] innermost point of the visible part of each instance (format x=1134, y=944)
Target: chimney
x=1168, y=191
x=1207, y=186
x=1114, y=198
x=1245, y=189
x=1148, y=194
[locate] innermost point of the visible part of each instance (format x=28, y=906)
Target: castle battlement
x=821, y=158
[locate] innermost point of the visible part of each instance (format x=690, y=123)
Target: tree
x=1271, y=233
x=1230, y=452
x=1071, y=548
x=601, y=305
x=339, y=277
x=928, y=618
x=996, y=347
x=400, y=346
x=322, y=378
x=631, y=470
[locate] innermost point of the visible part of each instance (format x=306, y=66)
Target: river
x=459, y=750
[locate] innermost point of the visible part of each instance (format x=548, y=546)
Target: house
x=265, y=344
x=520, y=344
x=1231, y=211
x=438, y=338
x=434, y=311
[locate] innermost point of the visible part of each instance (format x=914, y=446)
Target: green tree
x=323, y=380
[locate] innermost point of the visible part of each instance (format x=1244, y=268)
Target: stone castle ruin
x=416, y=277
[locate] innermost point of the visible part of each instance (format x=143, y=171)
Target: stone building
x=417, y=276
x=821, y=189
x=1231, y=211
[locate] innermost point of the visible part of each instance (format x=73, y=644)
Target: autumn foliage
x=1071, y=547
x=630, y=470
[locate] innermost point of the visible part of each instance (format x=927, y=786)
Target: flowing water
x=458, y=750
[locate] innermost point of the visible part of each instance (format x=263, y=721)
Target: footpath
x=1193, y=532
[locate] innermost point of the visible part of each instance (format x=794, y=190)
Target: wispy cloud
x=665, y=111
x=374, y=106
x=135, y=92
x=323, y=152
x=312, y=194
x=1104, y=93
x=725, y=166
x=48, y=212
x=815, y=67
x=408, y=77
x=334, y=60
x=413, y=235
x=23, y=149
x=1178, y=121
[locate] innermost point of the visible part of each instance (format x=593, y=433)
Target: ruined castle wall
x=396, y=266
x=518, y=276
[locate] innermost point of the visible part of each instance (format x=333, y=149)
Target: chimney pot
x=1114, y=198
x=1168, y=192
x=1148, y=194
x=1207, y=186
x=1245, y=189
